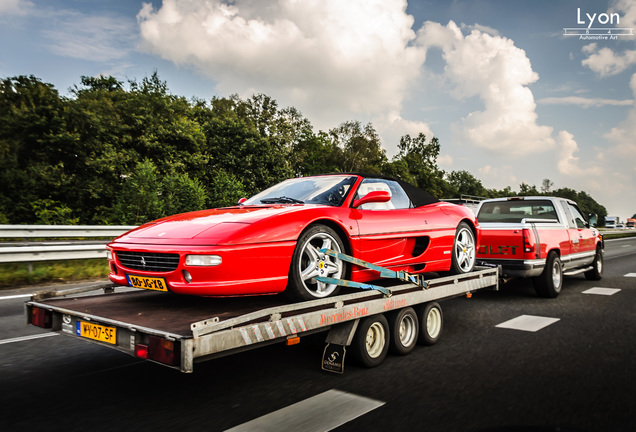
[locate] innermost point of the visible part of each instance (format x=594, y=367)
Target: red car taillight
x=41, y=317
x=160, y=350
x=529, y=242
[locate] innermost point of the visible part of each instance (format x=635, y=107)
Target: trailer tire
x=549, y=283
x=307, y=263
x=404, y=330
x=464, y=250
x=431, y=323
x=371, y=342
x=596, y=273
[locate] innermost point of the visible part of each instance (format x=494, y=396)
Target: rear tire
x=404, y=329
x=371, y=342
x=431, y=323
x=596, y=273
x=463, y=254
x=549, y=283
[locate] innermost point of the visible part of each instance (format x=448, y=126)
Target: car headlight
x=203, y=260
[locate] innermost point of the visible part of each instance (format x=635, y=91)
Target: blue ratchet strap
x=352, y=284
x=384, y=272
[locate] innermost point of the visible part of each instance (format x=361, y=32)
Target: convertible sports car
x=270, y=243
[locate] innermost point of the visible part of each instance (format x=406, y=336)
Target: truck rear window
x=515, y=211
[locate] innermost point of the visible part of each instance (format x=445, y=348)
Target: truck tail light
x=529, y=242
x=160, y=350
x=41, y=317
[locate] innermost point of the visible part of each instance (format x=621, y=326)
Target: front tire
x=463, y=255
x=596, y=273
x=308, y=263
x=371, y=343
x=549, y=283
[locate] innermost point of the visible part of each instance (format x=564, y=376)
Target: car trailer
x=178, y=331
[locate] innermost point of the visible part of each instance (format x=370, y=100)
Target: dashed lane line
x=320, y=413
x=630, y=275
x=26, y=338
x=529, y=323
x=16, y=296
x=601, y=291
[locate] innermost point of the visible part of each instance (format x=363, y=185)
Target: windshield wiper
x=282, y=200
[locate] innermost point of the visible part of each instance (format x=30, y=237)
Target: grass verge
x=17, y=274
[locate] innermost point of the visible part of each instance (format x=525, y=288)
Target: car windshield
x=329, y=190
x=516, y=210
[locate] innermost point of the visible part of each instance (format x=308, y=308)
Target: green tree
x=360, y=148
x=416, y=163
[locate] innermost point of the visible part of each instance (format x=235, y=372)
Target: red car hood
x=202, y=227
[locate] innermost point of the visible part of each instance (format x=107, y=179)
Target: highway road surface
x=507, y=360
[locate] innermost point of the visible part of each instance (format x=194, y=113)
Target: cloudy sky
x=511, y=98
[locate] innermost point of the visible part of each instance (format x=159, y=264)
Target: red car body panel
x=256, y=243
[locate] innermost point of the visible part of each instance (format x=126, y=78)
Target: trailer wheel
x=549, y=283
x=371, y=341
x=308, y=263
x=597, y=271
x=463, y=256
x=431, y=323
x=404, y=329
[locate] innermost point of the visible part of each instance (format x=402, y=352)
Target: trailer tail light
x=41, y=318
x=160, y=350
x=529, y=242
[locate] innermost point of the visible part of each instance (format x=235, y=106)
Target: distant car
x=620, y=226
x=271, y=242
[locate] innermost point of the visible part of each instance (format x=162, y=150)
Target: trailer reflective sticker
x=270, y=332
x=257, y=333
x=246, y=336
x=292, y=327
x=301, y=323
x=281, y=328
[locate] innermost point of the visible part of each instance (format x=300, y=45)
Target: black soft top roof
x=417, y=196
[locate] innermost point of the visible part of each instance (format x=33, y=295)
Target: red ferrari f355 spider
x=270, y=243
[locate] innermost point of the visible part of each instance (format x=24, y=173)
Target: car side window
x=399, y=198
x=579, y=219
x=568, y=214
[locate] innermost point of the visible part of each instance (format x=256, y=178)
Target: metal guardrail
x=31, y=251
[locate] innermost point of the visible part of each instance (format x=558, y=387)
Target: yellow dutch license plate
x=157, y=284
x=97, y=332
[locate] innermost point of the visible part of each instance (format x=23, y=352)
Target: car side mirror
x=373, y=197
x=242, y=200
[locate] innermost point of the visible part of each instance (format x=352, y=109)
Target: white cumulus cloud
x=492, y=68
x=329, y=58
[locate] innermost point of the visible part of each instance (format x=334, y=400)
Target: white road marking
x=601, y=291
x=529, y=323
x=321, y=413
x=630, y=275
x=26, y=338
x=16, y=296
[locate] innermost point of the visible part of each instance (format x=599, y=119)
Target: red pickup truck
x=540, y=237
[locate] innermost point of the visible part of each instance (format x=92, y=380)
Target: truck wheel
x=463, y=257
x=404, y=329
x=371, y=342
x=308, y=263
x=431, y=323
x=549, y=283
x=597, y=271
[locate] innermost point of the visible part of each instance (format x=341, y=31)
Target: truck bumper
x=516, y=268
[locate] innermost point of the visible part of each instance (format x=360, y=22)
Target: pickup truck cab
x=543, y=238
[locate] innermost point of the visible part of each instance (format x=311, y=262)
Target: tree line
x=126, y=153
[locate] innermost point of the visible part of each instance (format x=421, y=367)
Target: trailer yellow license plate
x=157, y=284
x=97, y=332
